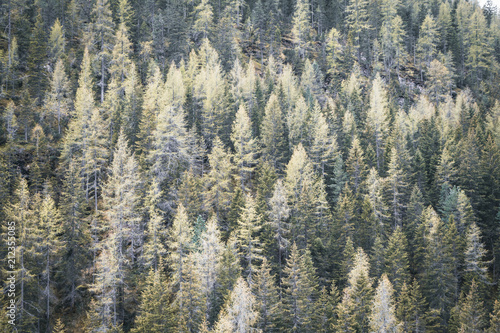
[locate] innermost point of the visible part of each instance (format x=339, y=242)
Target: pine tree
x=37, y=58
x=10, y=120
x=439, y=279
x=204, y=17
x=355, y=165
x=479, y=47
x=495, y=318
x=154, y=314
x=397, y=186
x=306, y=198
x=383, y=318
x=179, y=245
x=299, y=289
x=155, y=233
x=245, y=147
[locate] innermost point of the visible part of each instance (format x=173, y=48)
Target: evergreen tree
x=299, y=290
x=397, y=265
x=266, y=297
x=471, y=316
x=249, y=245
x=273, y=139
x=154, y=313
x=358, y=23
x=354, y=310
x=410, y=308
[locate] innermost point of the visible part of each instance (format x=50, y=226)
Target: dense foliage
x=251, y=166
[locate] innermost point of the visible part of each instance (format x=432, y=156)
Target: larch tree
x=476, y=267
x=377, y=117
x=279, y=214
x=245, y=147
x=397, y=185
x=301, y=27
x=358, y=24
x=103, y=36
x=427, y=41
x=57, y=100
x=208, y=262
x=121, y=200
x=239, y=314
x=218, y=179
x=478, y=58
x=355, y=165
x=56, y=42
x=383, y=317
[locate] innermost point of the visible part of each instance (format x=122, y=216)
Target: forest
x=250, y=166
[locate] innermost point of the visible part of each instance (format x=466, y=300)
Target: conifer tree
x=279, y=214
x=377, y=117
x=325, y=306
x=410, y=308
x=76, y=232
x=50, y=247
x=179, y=245
x=103, y=28
x=273, y=139
x=209, y=261
x=56, y=42
x=301, y=27
x=495, y=318
x=218, y=179
x=355, y=165
x=354, y=310
x=37, y=57
x=266, y=298
x=397, y=186
x=479, y=47
x=299, y=290
x=154, y=313
x=475, y=265
x=244, y=145
x=249, y=245
x=306, y=197
x=155, y=233
x=397, y=265
x=472, y=316
x=358, y=23
x=239, y=314
x=427, y=41
x=57, y=101
x=383, y=318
